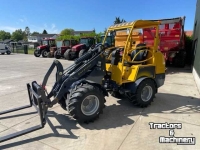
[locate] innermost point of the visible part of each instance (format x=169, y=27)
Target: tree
x=118, y=20
x=44, y=32
x=17, y=35
x=35, y=33
x=27, y=31
x=105, y=30
x=67, y=32
x=4, y=35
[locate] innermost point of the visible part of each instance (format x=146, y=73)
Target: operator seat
x=140, y=57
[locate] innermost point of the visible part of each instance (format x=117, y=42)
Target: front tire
x=86, y=103
x=56, y=55
x=145, y=93
x=37, y=53
x=8, y=52
x=81, y=53
x=44, y=53
x=67, y=54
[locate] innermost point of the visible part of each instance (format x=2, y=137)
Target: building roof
x=189, y=33
x=43, y=35
x=7, y=40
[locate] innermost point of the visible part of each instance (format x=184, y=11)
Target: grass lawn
x=21, y=51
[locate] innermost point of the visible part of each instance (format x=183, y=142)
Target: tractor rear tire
x=67, y=54
x=142, y=100
x=49, y=55
x=81, y=53
x=86, y=103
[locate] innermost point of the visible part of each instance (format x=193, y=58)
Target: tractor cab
x=88, y=41
x=48, y=42
x=109, y=40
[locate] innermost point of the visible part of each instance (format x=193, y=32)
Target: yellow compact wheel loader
x=134, y=69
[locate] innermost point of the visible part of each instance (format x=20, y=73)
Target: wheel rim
x=90, y=105
x=45, y=53
x=147, y=93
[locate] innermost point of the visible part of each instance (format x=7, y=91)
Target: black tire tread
x=75, y=100
x=81, y=53
x=67, y=54
x=137, y=99
x=43, y=53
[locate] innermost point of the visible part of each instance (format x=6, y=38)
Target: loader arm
x=92, y=62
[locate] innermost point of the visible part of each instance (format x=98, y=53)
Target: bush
x=188, y=48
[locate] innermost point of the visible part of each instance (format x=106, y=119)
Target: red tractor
x=61, y=47
x=44, y=48
x=78, y=50
x=172, y=40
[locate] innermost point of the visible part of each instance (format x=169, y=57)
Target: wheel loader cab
x=136, y=62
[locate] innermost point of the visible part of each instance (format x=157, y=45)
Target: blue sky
x=55, y=15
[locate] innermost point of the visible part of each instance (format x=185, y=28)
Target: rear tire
x=144, y=99
x=76, y=105
x=67, y=54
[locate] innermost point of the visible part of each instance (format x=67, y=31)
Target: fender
x=90, y=82
x=133, y=86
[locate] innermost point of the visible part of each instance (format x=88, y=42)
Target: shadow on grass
x=116, y=116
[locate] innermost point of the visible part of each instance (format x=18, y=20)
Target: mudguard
x=132, y=87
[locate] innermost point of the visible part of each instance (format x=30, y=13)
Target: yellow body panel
x=159, y=63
